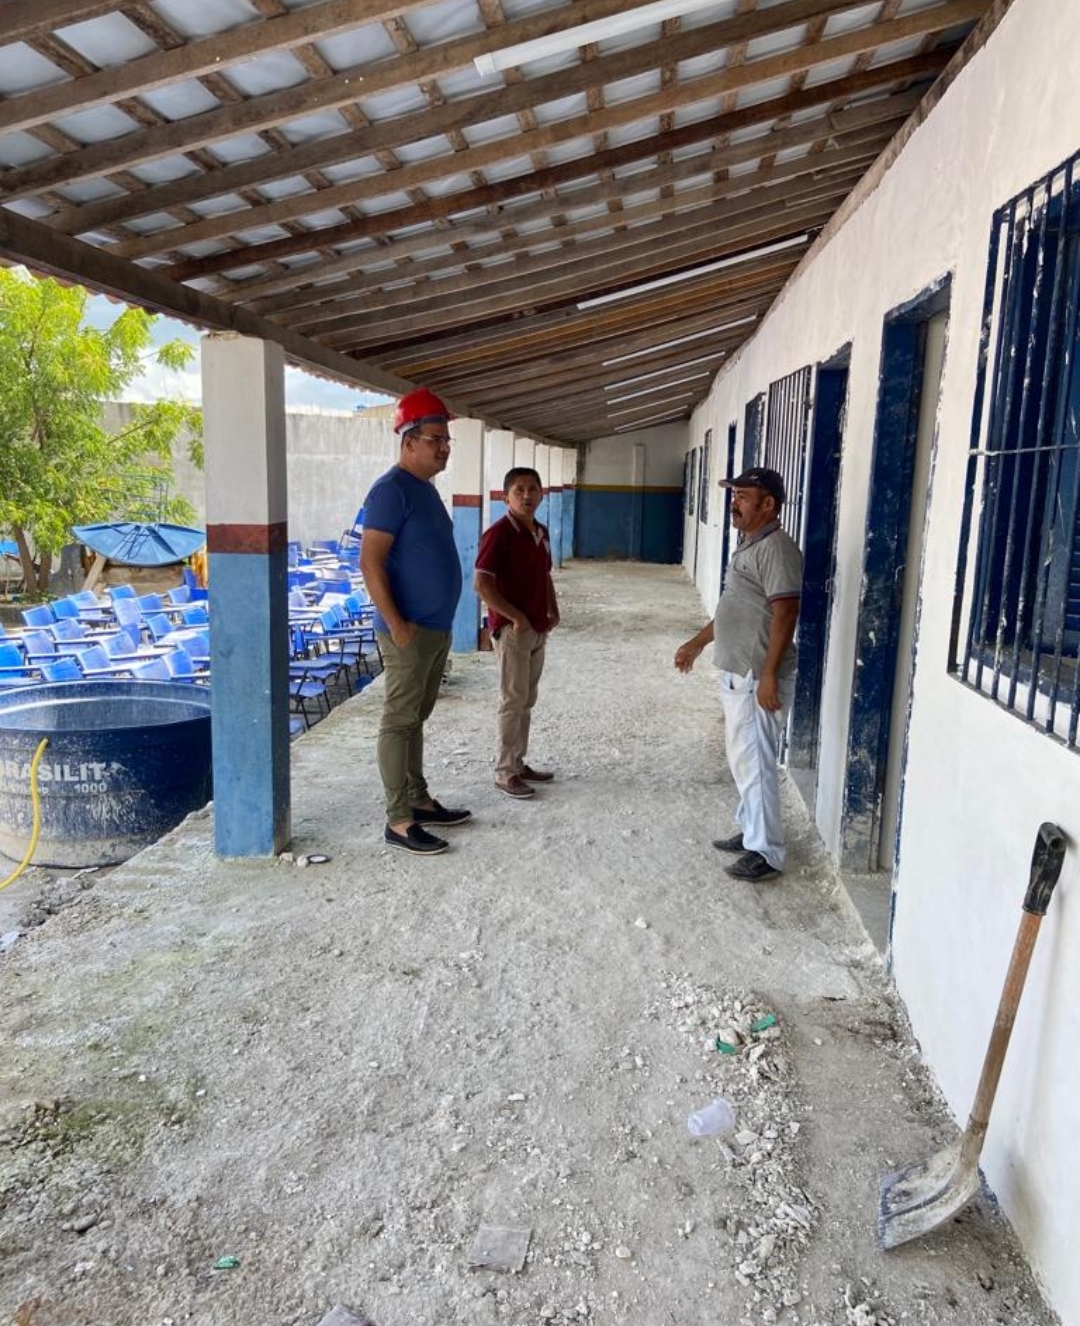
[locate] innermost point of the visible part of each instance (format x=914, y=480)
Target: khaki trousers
x=412, y=677
x=521, y=661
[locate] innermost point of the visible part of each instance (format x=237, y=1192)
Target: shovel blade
x=923, y=1195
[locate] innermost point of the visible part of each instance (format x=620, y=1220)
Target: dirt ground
x=334, y=1076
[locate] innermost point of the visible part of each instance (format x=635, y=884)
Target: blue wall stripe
x=466, y=628
x=637, y=524
x=250, y=711
x=569, y=512
x=555, y=527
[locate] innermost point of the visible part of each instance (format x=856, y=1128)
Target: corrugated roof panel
x=389, y=202
x=206, y=17
x=153, y=224
x=703, y=150
x=97, y=125
x=447, y=185
x=389, y=105
x=161, y=172
x=822, y=73
x=324, y=124
x=701, y=65
x=489, y=131
x=261, y=235
x=464, y=83
x=267, y=73
x=34, y=208
x=551, y=64
x=357, y=169
x=896, y=50
x=758, y=92
x=89, y=191
x=244, y=147
x=629, y=89
x=22, y=69
x=452, y=18
x=178, y=101
x=360, y=46
x=775, y=42
x=108, y=40
x=224, y=205
x=851, y=20
x=320, y=220
x=19, y=149
x=286, y=188
x=633, y=133
x=575, y=150
x=566, y=108
x=424, y=150
x=697, y=111
x=509, y=170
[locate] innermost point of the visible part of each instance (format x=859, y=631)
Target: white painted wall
x=609, y=461
x=979, y=781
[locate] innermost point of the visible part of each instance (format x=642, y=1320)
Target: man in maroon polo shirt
x=513, y=577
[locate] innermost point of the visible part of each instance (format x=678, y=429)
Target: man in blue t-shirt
x=411, y=571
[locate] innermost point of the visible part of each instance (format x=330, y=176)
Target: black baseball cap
x=771, y=481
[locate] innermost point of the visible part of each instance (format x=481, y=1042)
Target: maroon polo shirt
x=520, y=561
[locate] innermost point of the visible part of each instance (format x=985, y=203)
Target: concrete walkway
x=336, y=1075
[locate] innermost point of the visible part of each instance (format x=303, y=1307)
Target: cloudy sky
x=301, y=389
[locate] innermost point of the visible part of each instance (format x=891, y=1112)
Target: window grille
x=1016, y=620
x=703, y=500
x=786, y=434
x=691, y=487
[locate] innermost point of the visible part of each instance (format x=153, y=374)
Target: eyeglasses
x=437, y=438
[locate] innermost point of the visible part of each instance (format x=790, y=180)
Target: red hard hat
x=420, y=407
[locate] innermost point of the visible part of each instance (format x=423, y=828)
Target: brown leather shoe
x=535, y=775
x=516, y=786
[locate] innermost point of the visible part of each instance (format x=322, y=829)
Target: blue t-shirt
x=423, y=565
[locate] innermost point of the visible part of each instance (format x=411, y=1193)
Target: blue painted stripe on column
x=555, y=527
x=569, y=515
x=250, y=712
x=466, y=628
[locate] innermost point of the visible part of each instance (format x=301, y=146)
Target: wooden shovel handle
x=1046, y=862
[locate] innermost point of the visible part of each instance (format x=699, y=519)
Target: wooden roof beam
x=166, y=140
x=535, y=182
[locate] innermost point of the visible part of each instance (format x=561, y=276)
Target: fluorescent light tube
x=717, y=266
x=659, y=372
x=659, y=386
x=679, y=340
x=653, y=419
x=509, y=57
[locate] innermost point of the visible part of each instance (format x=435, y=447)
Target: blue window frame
x=1016, y=620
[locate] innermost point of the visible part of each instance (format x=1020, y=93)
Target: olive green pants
x=411, y=680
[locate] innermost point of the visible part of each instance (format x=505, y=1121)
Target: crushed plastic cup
x=711, y=1120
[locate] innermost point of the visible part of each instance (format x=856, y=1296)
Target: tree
x=59, y=466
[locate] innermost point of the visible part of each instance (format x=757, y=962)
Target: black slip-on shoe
x=732, y=844
x=535, y=775
x=415, y=840
x=436, y=814
x=752, y=866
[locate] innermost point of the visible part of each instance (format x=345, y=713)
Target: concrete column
x=555, y=506
x=467, y=480
x=569, y=501
x=542, y=465
x=525, y=452
x=499, y=445
x=243, y=382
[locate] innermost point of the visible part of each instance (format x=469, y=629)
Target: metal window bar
x=1060, y=280
x=692, y=486
x=1022, y=644
x=703, y=500
x=787, y=433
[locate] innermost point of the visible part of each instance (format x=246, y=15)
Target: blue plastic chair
x=41, y=614
x=178, y=594
x=65, y=609
x=195, y=614
x=63, y=669
x=122, y=592
x=154, y=669
x=14, y=668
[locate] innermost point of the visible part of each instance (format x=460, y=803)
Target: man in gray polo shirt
x=752, y=635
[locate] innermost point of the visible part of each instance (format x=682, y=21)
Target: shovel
x=925, y=1194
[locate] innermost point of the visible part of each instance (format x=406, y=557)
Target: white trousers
x=752, y=735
